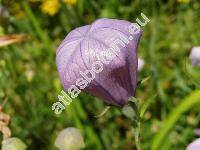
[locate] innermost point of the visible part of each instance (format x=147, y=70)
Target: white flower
x=194, y=145
x=195, y=56
x=140, y=63
x=70, y=139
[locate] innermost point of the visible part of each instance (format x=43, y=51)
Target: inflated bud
x=195, y=56
x=140, y=64
x=13, y=144
x=194, y=145
x=70, y=139
x=197, y=132
x=100, y=59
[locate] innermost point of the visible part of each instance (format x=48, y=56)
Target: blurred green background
x=29, y=79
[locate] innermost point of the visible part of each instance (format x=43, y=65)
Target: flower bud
x=197, y=132
x=13, y=144
x=194, y=145
x=70, y=139
x=101, y=59
x=140, y=64
x=195, y=56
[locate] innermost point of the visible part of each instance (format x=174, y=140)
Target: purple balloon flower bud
x=195, y=56
x=194, y=145
x=140, y=64
x=197, y=132
x=100, y=59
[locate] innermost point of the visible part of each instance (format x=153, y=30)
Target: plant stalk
x=137, y=136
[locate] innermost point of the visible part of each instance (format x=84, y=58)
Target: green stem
x=36, y=24
x=137, y=136
x=131, y=111
x=136, y=107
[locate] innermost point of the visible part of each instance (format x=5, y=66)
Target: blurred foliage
x=29, y=79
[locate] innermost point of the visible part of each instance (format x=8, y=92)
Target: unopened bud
x=70, y=139
x=13, y=144
x=195, y=56
x=194, y=145
x=140, y=64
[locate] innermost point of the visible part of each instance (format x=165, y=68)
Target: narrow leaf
x=186, y=104
x=146, y=105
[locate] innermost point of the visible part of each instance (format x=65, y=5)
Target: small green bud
x=13, y=144
x=70, y=139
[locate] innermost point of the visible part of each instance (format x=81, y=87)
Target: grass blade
x=187, y=103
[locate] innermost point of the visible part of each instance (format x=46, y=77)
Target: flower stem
x=137, y=136
x=131, y=111
x=135, y=106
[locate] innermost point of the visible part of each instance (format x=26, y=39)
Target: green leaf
x=186, y=104
x=143, y=80
x=146, y=105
